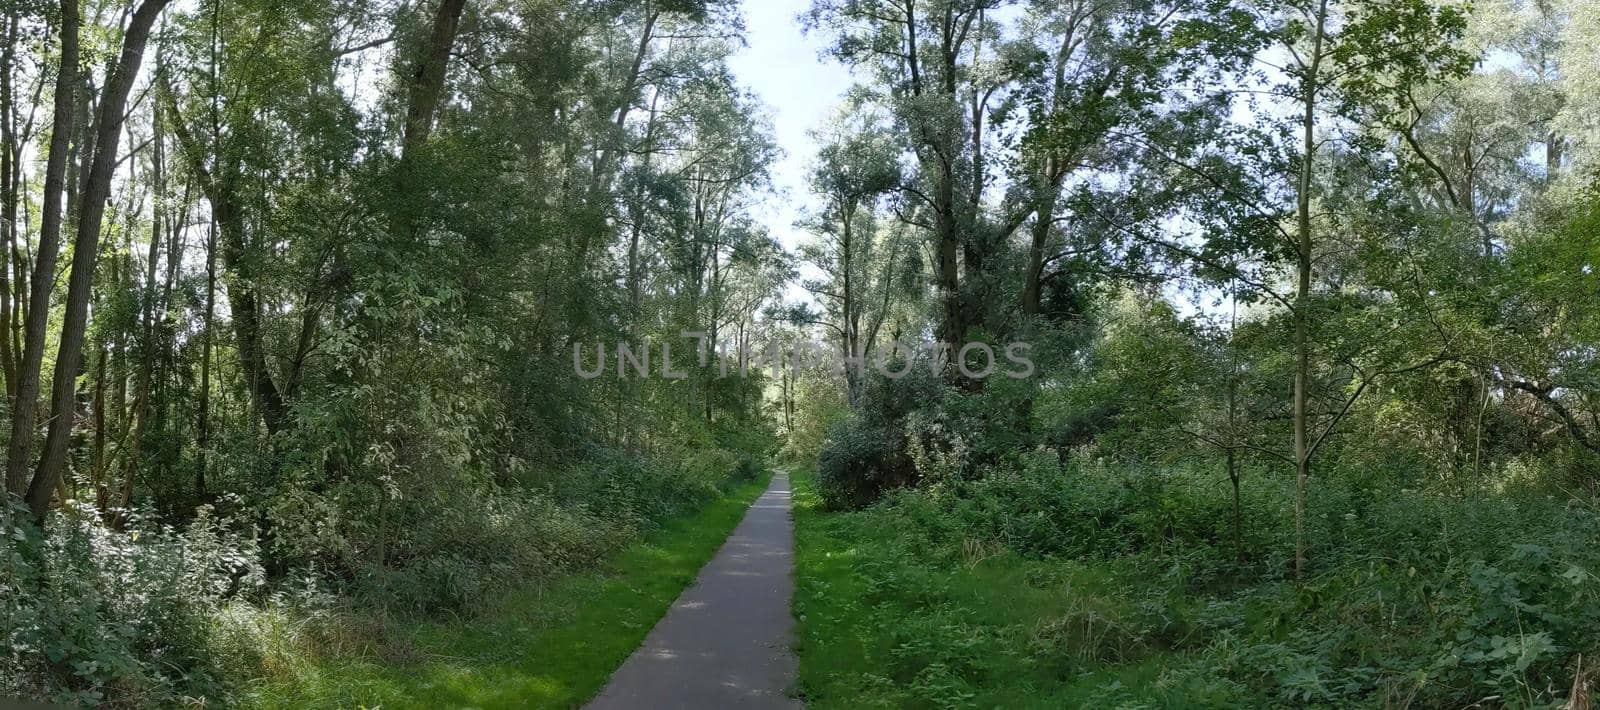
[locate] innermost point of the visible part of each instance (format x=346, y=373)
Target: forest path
x=725, y=643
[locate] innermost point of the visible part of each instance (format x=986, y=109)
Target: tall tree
x=86, y=248
x=1341, y=61
x=855, y=167
x=920, y=54
x=19, y=452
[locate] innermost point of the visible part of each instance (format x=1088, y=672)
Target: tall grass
x=1090, y=584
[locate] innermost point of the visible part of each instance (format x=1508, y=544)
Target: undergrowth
x=146, y=613
x=1090, y=585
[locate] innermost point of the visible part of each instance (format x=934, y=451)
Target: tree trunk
x=847, y=327
x=1238, y=513
x=952, y=326
x=142, y=382
x=636, y=210
x=624, y=102
x=19, y=451
x=92, y=205
x=1302, y=304
x=8, y=199
x=427, y=78
x=940, y=160
x=228, y=220
x=165, y=328
x=787, y=394
x=1032, y=290
x=98, y=470
x=424, y=92
x=1554, y=149
x=246, y=312
x=1233, y=427
x=203, y=418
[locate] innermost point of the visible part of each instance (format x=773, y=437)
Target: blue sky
x=800, y=88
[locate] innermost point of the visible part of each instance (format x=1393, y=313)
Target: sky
x=786, y=69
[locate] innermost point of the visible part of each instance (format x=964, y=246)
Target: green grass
x=888, y=621
x=1113, y=595
x=551, y=646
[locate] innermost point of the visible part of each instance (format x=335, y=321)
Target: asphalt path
x=725, y=643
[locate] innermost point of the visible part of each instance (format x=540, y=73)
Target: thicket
x=152, y=613
x=1312, y=289
x=1442, y=575
x=1452, y=545
x=1422, y=598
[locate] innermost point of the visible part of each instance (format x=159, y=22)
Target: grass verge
x=887, y=623
x=551, y=646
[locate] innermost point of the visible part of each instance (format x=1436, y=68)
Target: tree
x=1092, y=75
x=922, y=58
x=19, y=452
x=86, y=246
x=856, y=166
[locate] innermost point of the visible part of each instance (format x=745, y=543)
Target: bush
x=461, y=554
x=95, y=615
x=152, y=614
x=1416, y=598
x=870, y=451
x=858, y=462
x=819, y=405
x=431, y=546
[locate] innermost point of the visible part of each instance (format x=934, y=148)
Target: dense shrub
x=430, y=545
x=639, y=491
x=871, y=451
x=92, y=614
x=1417, y=598
x=818, y=404
x=857, y=463
x=463, y=553
x=152, y=614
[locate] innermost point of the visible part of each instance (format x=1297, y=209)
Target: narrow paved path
x=725, y=641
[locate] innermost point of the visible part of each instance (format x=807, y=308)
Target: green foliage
x=152, y=614
x=1081, y=582
x=820, y=403
x=544, y=644
x=458, y=556
x=326, y=379
x=129, y=616
x=856, y=465
x=868, y=453
x=1138, y=389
